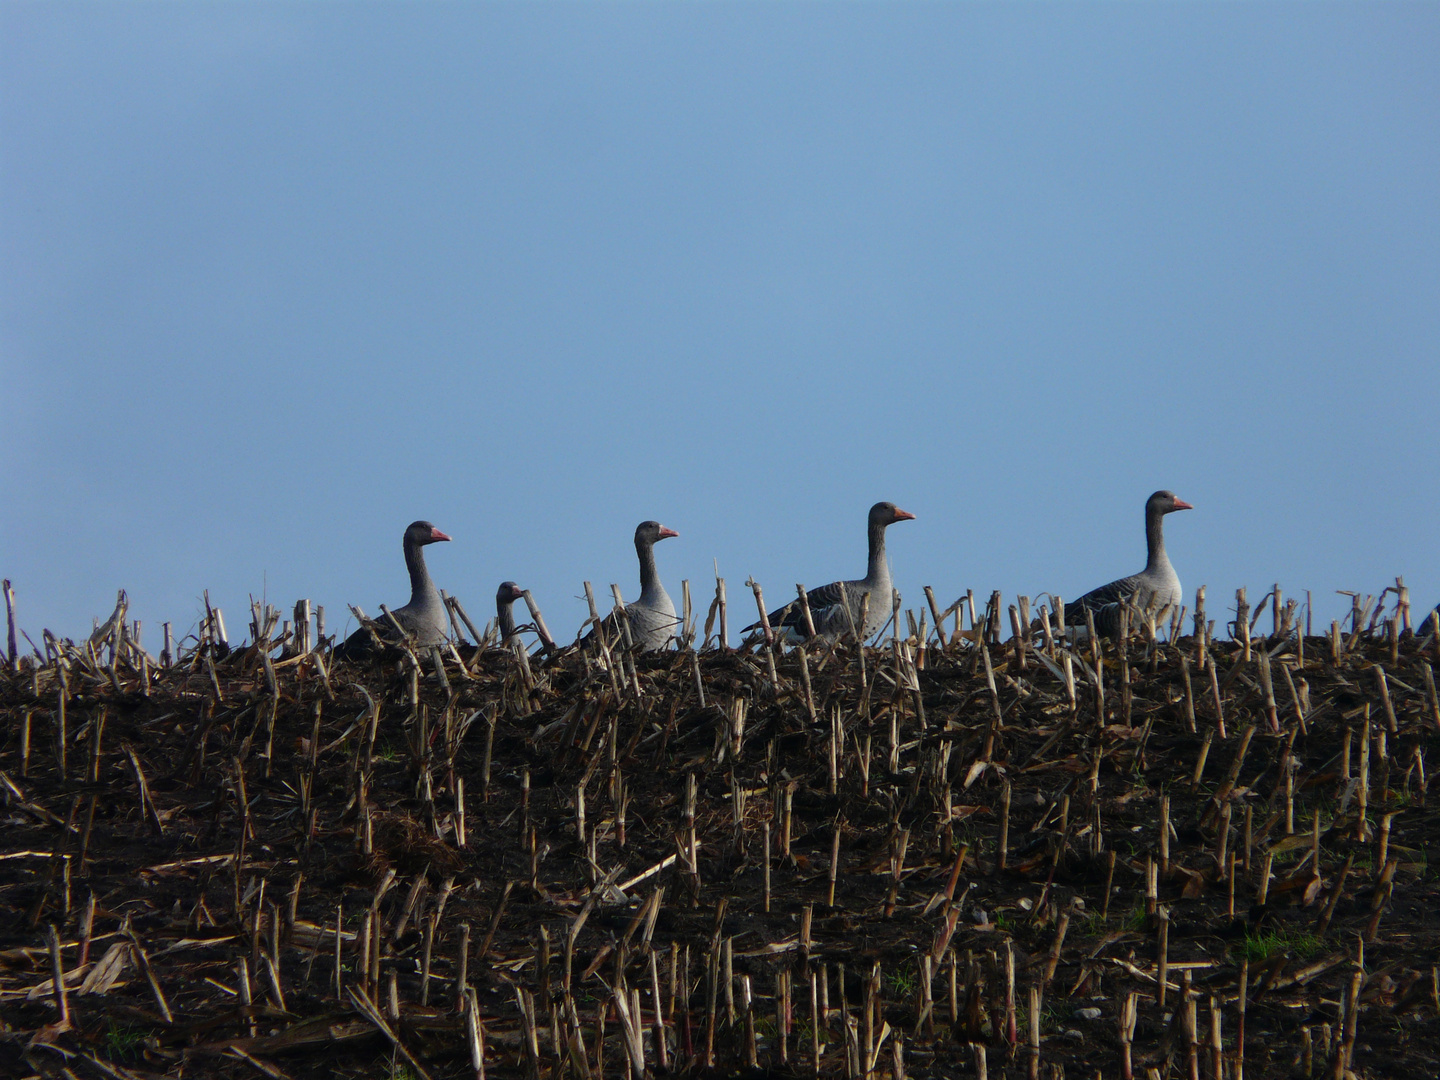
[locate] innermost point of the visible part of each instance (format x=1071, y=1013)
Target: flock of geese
x=860, y=607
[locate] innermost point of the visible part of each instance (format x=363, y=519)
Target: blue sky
x=277, y=279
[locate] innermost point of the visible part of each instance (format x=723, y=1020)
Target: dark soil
x=190, y=884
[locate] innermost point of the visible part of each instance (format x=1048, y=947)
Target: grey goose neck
x=1156, y=558
x=877, y=567
x=422, y=589
x=651, y=588
x=505, y=598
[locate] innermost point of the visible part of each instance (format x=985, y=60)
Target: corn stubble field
x=968, y=853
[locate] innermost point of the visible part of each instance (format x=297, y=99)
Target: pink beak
x=436, y=534
x=903, y=515
x=1181, y=504
x=664, y=532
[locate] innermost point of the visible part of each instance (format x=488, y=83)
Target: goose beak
x=436, y=534
x=903, y=515
x=1181, y=504
x=664, y=532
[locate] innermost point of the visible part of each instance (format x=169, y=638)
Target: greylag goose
x=652, y=618
x=505, y=599
x=1156, y=585
x=828, y=602
x=1432, y=621
x=424, y=617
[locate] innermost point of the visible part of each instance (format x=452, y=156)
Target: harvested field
x=935, y=858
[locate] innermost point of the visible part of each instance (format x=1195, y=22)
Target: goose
x=424, y=617
x=652, y=618
x=828, y=602
x=1431, y=623
x=1155, y=586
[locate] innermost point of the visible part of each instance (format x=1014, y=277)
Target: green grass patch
x=1135, y=919
x=123, y=1043
x=1263, y=946
x=902, y=982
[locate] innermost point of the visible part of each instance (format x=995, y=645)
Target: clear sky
x=277, y=279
